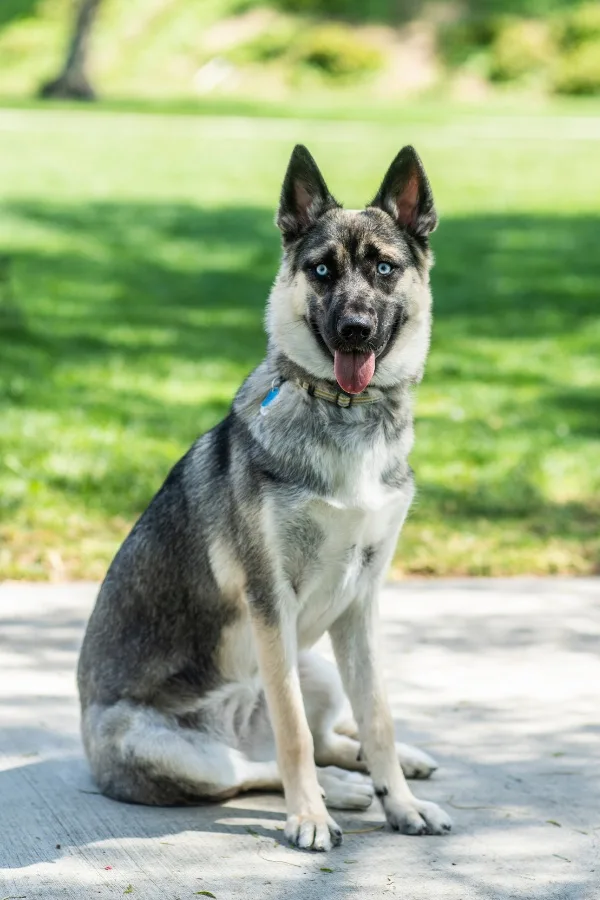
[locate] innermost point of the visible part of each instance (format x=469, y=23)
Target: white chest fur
x=357, y=475
x=350, y=560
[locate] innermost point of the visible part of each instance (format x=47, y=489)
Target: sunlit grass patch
x=136, y=254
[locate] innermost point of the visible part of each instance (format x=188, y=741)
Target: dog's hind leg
x=140, y=755
x=334, y=732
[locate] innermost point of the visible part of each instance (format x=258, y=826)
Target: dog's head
x=351, y=302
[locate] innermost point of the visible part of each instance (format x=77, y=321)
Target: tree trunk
x=73, y=83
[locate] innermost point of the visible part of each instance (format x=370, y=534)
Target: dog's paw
x=345, y=790
x=416, y=816
x=415, y=763
x=313, y=832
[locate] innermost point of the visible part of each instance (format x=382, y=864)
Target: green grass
x=137, y=252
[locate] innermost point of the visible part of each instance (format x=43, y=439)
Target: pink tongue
x=353, y=371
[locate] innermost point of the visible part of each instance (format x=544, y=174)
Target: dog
x=196, y=677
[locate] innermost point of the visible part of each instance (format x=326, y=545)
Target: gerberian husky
x=196, y=677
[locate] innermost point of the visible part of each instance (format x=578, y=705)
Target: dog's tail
x=139, y=755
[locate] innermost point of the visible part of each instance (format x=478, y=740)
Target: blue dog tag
x=271, y=396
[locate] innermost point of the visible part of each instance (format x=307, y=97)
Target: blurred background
x=142, y=147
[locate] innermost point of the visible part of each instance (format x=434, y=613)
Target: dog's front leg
x=309, y=825
x=354, y=637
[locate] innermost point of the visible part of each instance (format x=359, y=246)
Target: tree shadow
x=113, y=300
x=127, y=284
x=500, y=810
x=137, y=296
x=518, y=776
x=515, y=276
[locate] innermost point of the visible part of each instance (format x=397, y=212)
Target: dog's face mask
x=351, y=302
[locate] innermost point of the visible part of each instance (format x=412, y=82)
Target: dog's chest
x=343, y=556
x=333, y=532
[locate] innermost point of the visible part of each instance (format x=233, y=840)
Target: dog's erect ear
x=405, y=194
x=304, y=195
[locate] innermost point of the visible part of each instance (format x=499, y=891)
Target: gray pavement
x=499, y=680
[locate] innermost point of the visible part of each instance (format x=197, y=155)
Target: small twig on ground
x=286, y=862
x=458, y=806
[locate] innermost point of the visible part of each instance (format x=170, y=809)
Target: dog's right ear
x=304, y=196
x=405, y=194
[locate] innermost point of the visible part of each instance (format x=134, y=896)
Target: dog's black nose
x=355, y=329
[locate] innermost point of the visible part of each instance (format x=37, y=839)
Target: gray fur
x=247, y=534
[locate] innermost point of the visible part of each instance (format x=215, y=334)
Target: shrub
x=579, y=25
x=338, y=53
x=459, y=41
x=578, y=71
x=351, y=10
x=521, y=47
x=266, y=47
x=313, y=7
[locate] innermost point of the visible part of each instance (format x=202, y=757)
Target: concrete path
x=500, y=680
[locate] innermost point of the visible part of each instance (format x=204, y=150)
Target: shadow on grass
x=135, y=297
x=102, y=304
x=121, y=282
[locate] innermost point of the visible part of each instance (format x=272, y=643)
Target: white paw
x=415, y=763
x=313, y=831
x=416, y=816
x=345, y=790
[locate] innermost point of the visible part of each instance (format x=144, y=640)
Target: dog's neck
x=287, y=370
x=318, y=445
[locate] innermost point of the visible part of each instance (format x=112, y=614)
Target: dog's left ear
x=304, y=195
x=405, y=194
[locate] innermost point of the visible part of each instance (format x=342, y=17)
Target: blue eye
x=321, y=270
x=384, y=268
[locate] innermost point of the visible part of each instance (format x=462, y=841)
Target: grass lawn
x=136, y=254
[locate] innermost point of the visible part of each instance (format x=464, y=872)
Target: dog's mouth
x=353, y=369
